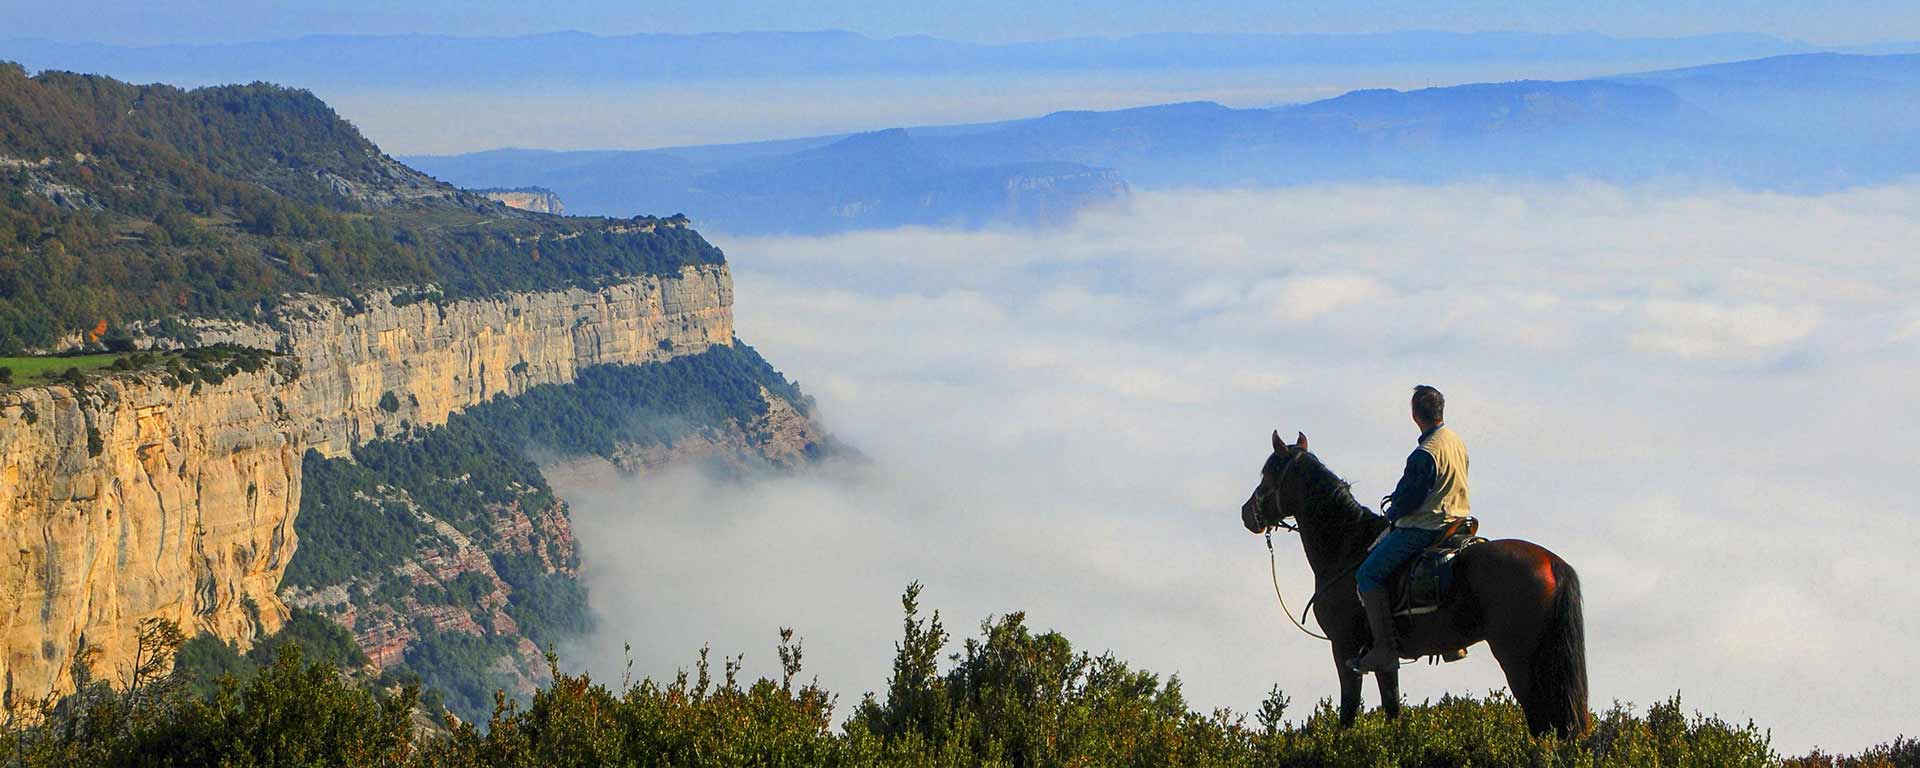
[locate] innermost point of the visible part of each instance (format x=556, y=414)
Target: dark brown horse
x=1523, y=600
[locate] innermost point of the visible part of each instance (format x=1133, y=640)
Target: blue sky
x=204, y=21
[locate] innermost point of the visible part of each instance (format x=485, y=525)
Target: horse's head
x=1263, y=509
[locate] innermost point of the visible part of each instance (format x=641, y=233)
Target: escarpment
x=135, y=496
x=132, y=498
x=373, y=372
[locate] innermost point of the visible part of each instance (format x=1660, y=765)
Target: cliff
x=137, y=496
x=132, y=499
x=535, y=199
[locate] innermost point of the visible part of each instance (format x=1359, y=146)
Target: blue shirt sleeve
x=1415, y=483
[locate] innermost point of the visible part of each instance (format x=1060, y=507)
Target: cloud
x=1309, y=296
x=1698, y=399
x=1697, y=330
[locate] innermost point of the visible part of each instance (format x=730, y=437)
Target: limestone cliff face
x=533, y=199
x=366, y=373
x=132, y=498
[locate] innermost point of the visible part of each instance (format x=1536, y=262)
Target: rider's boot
x=1385, y=653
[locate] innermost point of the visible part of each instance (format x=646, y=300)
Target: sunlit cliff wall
x=131, y=498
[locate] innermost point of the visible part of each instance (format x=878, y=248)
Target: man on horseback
x=1432, y=493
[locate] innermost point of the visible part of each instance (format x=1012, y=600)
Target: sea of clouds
x=1705, y=401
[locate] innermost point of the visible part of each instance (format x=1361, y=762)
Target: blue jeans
x=1400, y=545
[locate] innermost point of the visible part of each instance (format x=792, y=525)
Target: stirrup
x=1354, y=664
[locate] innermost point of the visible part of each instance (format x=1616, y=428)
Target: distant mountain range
x=572, y=58
x=1808, y=122
x=881, y=179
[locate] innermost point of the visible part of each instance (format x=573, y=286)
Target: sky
x=1697, y=399
x=406, y=117
x=208, y=21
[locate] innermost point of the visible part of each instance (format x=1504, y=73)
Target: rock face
x=368, y=373
x=132, y=498
x=536, y=199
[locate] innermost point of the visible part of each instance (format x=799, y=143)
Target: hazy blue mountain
x=1037, y=170
x=1795, y=123
x=881, y=179
x=1810, y=96
x=558, y=59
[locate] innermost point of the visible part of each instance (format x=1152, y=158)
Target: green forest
x=126, y=203
x=1010, y=696
x=355, y=525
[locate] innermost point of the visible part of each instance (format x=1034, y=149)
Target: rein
x=1273, y=571
x=1273, y=567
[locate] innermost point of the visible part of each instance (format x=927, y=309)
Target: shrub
x=1012, y=697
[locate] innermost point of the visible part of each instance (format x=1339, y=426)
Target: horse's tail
x=1559, y=678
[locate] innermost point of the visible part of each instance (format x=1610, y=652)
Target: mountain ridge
x=220, y=201
x=1803, y=122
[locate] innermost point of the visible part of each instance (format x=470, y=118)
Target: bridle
x=1265, y=491
x=1260, y=496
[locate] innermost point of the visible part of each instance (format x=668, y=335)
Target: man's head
x=1429, y=407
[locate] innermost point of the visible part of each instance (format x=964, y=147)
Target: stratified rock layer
x=134, y=498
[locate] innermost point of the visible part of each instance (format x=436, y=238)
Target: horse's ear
x=1300, y=443
x=1279, y=445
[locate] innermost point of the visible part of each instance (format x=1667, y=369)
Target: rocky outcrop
x=133, y=497
x=534, y=199
x=783, y=437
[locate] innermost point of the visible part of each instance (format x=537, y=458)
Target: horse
x=1520, y=598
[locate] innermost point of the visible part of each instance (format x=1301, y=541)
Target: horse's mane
x=1323, y=490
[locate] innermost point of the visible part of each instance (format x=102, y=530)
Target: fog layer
x=1704, y=402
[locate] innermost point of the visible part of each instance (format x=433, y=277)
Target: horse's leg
x=1389, y=683
x=1349, y=689
x=1515, y=660
x=1527, y=600
x=1340, y=615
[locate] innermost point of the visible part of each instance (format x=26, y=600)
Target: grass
x=26, y=369
x=211, y=364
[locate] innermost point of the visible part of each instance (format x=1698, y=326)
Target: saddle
x=1424, y=583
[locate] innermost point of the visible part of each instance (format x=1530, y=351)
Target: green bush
x=202, y=661
x=1012, y=697
x=289, y=713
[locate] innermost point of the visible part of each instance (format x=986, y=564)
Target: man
x=1432, y=493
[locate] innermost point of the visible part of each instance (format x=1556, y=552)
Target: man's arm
x=1415, y=483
